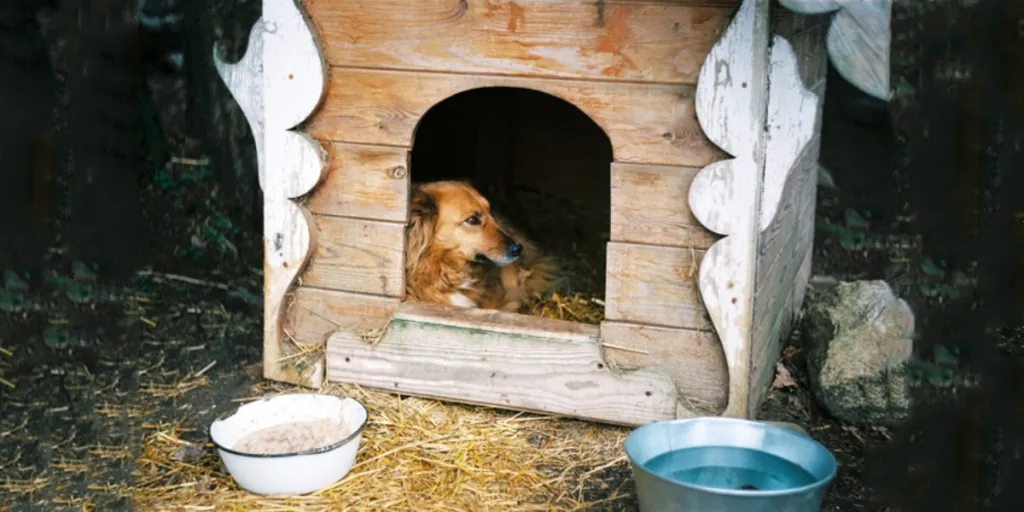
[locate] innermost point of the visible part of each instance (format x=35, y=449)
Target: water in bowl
x=726, y=467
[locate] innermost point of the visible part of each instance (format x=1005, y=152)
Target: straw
x=416, y=454
x=425, y=455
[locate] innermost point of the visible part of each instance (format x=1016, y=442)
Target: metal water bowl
x=727, y=465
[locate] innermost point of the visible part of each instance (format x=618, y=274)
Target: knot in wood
x=397, y=172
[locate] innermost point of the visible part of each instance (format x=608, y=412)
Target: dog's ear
x=422, y=204
x=419, y=233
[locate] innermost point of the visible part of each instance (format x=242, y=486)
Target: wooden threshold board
x=501, y=360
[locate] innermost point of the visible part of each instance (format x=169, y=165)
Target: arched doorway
x=542, y=163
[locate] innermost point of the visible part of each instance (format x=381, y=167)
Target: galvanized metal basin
x=727, y=465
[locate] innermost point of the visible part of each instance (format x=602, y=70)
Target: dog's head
x=452, y=216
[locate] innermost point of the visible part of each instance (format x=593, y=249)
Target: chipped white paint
x=294, y=77
x=792, y=123
x=293, y=65
x=282, y=80
x=244, y=81
x=786, y=219
x=278, y=84
x=731, y=99
x=858, y=40
x=858, y=44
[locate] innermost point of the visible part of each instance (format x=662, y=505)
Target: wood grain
x=647, y=123
x=732, y=93
x=762, y=369
x=479, y=363
x=812, y=59
x=793, y=125
x=654, y=285
x=781, y=249
x=355, y=255
x=497, y=321
x=612, y=40
x=783, y=269
x=859, y=41
x=649, y=207
x=278, y=83
x=811, y=62
x=367, y=182
x=806, y=33
x=313, y=313
x=693, y=359
x=787, y=227
x=786, y=21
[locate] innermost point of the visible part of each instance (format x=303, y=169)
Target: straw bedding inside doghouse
x=575, y=232
x=416, y=454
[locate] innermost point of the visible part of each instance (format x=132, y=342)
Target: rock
x=189, y=453
x=859, y=340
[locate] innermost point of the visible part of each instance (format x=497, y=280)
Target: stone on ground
x=859, y=339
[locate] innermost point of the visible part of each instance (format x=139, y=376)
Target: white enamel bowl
x=289, y=473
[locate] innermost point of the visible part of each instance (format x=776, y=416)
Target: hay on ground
x=420, y=454
x=416, y=454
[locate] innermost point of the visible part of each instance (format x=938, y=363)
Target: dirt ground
x=89, y=367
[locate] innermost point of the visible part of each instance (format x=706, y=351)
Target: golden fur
x=458, y=253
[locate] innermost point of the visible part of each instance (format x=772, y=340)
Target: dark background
x=94, y=105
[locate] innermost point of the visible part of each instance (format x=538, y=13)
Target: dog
x=459, y=253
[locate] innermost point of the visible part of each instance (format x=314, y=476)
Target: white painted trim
x=278, y=84
x=859, y=40
x=792, y=123
x=731, y=102
x=810, y=6
x=243, y=81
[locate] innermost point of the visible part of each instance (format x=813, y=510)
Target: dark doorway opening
x=541, y=162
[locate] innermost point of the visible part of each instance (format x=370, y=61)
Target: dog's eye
x=473, y=220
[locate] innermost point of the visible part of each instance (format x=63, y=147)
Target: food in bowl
x=290, y=444
x=296, y=437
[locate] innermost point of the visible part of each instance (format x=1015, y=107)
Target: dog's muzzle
x=513, y=250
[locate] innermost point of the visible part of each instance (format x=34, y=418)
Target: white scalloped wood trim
x=241, y=80
x=283, y=62
x=810, y=6
x=792, y=123
x=730, y=102
x=858, y=40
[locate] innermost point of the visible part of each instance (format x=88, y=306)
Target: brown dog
x=458, y=253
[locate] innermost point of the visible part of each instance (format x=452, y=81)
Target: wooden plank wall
x=630, y=66
x=784, y=248
x=647, y=122
x=662, y=42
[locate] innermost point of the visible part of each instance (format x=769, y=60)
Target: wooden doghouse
x=713, y=111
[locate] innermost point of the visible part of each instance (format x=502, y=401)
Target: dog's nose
x=515, y=249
